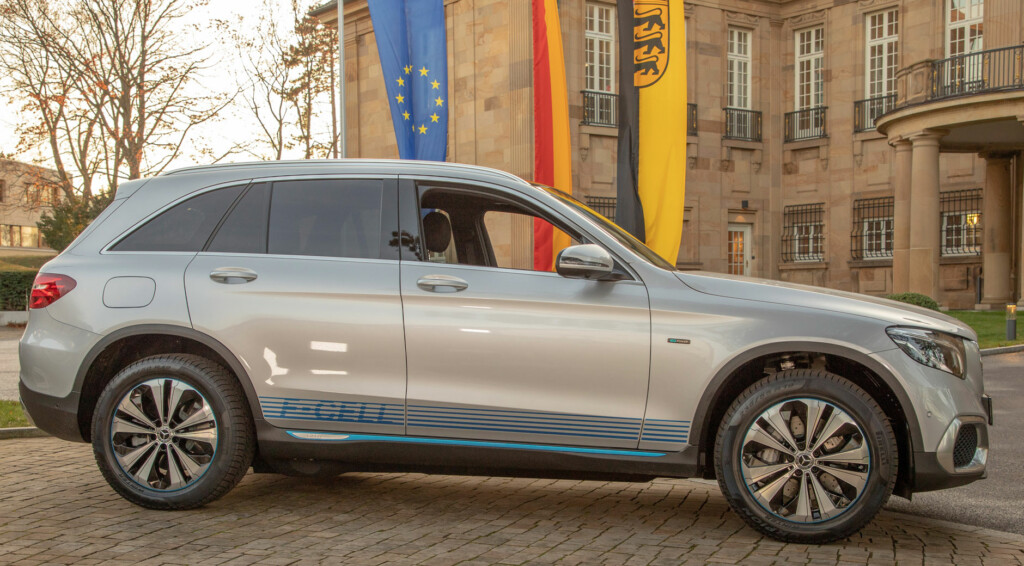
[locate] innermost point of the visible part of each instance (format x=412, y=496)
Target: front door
x=738, y=252
x=500, y=352
x=301, y=283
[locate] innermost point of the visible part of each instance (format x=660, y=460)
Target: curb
x=21, y=432
x=1003, y=350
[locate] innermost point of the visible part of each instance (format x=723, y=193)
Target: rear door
x=300, y=281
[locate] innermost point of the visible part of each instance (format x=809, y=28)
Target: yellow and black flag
x=651, y=177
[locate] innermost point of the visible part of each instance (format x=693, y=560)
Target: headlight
x=933, y=349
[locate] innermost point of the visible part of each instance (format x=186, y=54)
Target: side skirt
x=302, y=452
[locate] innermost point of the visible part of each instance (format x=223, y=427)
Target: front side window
x=328, y=218
x=468, y=227
x=803, y=236
x=184, y=227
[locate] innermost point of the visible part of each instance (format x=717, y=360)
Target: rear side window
x=244, y=231
x=184, y=227
x=331, y=218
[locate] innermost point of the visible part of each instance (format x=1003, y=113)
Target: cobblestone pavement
x=55, y=508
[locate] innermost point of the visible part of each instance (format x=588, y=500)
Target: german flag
x=552, y=162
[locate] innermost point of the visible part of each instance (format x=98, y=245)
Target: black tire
x=785, y=393
x=220, y=458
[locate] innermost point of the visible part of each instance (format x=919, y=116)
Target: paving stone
x=55, y=508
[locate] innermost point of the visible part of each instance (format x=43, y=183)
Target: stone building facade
x=865, y=145
x=26, y=191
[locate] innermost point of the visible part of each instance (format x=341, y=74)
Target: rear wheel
x=173, y=432
x=806, y=456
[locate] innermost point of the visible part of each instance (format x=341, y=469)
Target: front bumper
x=55, y=415
x=961, y=458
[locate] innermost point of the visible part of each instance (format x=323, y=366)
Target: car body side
x=704, y=347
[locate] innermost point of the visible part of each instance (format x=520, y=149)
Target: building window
x=41, y=196
x=965, y=27
x=599, y=38
x=961, y=223
x=3, y=191
x=883, y=53
x=872, y=233
x=19, y=236
x=738, y=71
x=803, y=236
x=810, y=68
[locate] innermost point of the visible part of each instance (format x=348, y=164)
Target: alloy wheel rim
x=805, y=460
x=164, y=434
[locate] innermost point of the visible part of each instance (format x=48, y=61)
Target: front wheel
x=173, y=432
x=806, y=456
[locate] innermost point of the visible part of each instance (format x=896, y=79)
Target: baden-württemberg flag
x=653, y=41
x=413, y=56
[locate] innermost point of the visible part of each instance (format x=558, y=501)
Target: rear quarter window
x=184, y=227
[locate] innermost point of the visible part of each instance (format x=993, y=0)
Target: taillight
x=48, y=287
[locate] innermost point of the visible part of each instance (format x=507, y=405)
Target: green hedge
x=15, y=287
x=915, y=299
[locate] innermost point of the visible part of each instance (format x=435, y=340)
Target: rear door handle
x=232, y=275
x=441, y=283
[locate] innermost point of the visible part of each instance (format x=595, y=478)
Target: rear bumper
x=55, y=415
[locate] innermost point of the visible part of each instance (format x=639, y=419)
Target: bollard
x=1011, y=322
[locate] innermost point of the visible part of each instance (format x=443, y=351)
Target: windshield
x=610, y=228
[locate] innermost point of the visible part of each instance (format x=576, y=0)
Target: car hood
x=768, y=291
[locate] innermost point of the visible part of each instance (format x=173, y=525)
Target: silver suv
x=320, y=317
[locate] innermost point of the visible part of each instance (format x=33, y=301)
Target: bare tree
x=107, y=81
x=266, y=80
x=313, y=56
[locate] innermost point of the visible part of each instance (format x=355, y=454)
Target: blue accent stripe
x=524, y=430
x=531, y=414
x=660, y=430
x=342, y=437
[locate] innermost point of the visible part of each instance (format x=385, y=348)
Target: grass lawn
x=11, y=415
x=990, y=326
x=23, y=262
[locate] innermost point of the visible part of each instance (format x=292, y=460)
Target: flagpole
x=341, y=80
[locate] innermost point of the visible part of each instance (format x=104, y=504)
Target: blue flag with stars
x=414, y=57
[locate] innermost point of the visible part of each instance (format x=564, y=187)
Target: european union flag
x=414, y=57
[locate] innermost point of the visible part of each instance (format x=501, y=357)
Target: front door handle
x=441, y=283
x=232, y=275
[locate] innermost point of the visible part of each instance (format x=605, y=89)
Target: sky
x=233, y=125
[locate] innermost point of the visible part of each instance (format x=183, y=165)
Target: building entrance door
x=739, y=249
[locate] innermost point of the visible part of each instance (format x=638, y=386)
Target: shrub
x=915, y=299
x=15, y=287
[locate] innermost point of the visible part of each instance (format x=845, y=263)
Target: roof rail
x=297, y=162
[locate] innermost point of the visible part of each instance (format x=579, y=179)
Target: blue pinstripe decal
x=342, y=437
x=478, y=419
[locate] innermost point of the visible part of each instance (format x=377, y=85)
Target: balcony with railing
x=974, y=98
x=600, y=108
x=866, y=111
x=742, y=125
x=806, y=124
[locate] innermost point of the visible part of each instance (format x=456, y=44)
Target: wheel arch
x=129, y=344
x=748, y=367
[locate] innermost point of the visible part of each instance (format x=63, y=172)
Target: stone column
x=901, y=218
x=924, y=209
x=998, y=232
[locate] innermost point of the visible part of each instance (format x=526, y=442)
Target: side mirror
x=587, y=261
